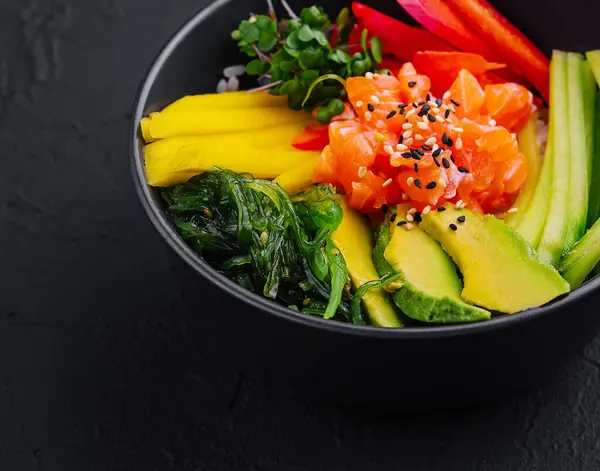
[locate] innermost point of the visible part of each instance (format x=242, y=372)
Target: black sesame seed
x=441, y=209
x=454, y=227
x=438, y=102
x=402, y=106
x=401, y=139
x=421, y=103
x=402, y=111
x=450, y=142
x=447, y=114
x=431, y=118
x=421, y=152
x=445, y=138
x=455, y=102
x=461, y=219
x=428, y=97
x=445, y=162
x=412, y=84
x=384, y=208
x=424, y=110
x=426, y=147
x=391, y=114
x=414, y=105
x=418, y=217
x=415, y=155
x=393, y=217
x=431, y=185
x=370, y=107
x=437, y=162
x=418, y=184
x=452, y=159
x=401, y=223
x=462, y=170
x=407, y=155
x=416, y=167
x=437, y=152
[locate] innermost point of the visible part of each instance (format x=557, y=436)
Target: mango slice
x=298, y=178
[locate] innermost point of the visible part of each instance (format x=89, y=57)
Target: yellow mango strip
x=229, y=100
x=180, y=121
x=299, y=178
x=193, y=159
x=270, y=138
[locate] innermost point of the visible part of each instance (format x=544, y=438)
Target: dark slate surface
x=106, y=357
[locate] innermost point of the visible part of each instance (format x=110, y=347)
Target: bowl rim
x=160, y=221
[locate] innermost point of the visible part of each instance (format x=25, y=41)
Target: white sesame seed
x=422, y=125
x=407, y=134
x=369, y=75
x=404, y=197
x=431, y=141
x=409, y=226
x=458, y=204
x=401, y=147
x=234, y=71
x=426, y=210
x=435, y=111
x=411, y=211
x=452, y=108
x=419, y=137
x=387, y=183
x=407, y=126
x=458, y=130
x=409, y=141
x=492, y=122
x=375, y=100
x=410, y=181
x=442, y=183
x=435, y=147
x=362, y=172
x=410, y=113
x=432, y=103
x=458, y=144
x=439, y=119
x=463, y=206
x=222, y=86
x=388, y=149
x=359, y=104
x=410, y=218
x=368, y=116
x=513, y=210
x=446, y=95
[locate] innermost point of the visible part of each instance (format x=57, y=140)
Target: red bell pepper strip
x=397, y=38
x=312, y=138
x=443, y=67
x=437, y=17
x=516, y=50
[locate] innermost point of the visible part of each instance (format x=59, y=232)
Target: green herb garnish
x=297, y=57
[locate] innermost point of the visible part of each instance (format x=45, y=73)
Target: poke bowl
x=398, y=200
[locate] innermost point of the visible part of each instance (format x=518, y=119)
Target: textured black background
x=107, y=361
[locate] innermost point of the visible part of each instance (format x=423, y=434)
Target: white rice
x=233, y=85
x=222, y=86
x=234, y=71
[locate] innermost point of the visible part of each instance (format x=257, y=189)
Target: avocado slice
x=500, y=270
x=354, y=240
x=431, y=286
x=582, y=258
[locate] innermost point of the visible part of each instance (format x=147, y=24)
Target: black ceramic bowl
x=413, y=368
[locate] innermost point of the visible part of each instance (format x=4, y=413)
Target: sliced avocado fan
x=431, y=287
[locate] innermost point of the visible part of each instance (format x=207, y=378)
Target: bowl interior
x=193, y=61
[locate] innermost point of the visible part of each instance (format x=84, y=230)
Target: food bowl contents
x=386, y=174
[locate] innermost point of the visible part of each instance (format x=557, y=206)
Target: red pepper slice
x=516, y=49
x=443, y=67
x=437, y=17
x=312, y=138
x=397, y=38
